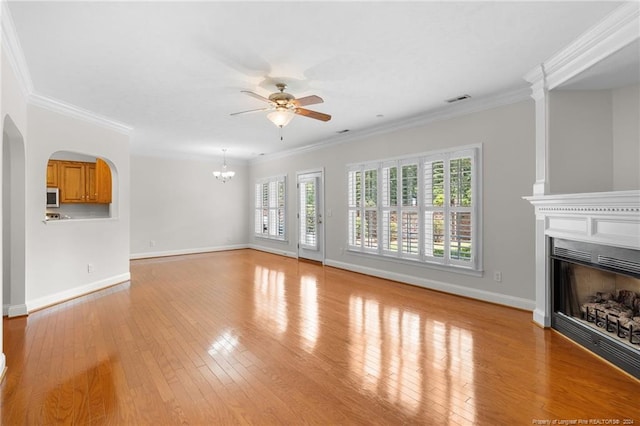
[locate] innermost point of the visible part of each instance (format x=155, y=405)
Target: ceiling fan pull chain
x=281, y=138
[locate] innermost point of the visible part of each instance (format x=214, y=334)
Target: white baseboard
x=72, y=293
x=540, y=318
x=3, y=366
x=166, y=253
x=487, y=296
x=16, y=310
x=274, y=251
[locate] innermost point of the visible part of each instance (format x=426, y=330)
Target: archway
x=13, y=220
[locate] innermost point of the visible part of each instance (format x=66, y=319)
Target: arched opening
x=79, y=186
x=13, y=220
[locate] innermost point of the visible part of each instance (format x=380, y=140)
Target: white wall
x=580, y=141
x=177, y=206
x=594, y=140
x=626, y=138
x=58, y=252
x=507, y=135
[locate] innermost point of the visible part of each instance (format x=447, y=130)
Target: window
x=398, y=208
x=271, y=208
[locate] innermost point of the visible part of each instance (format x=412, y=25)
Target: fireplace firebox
x=596, y=299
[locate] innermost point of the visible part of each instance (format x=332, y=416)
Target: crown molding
x=70, y=110
x=615, y=31
x=441, y=114
x=18, y=63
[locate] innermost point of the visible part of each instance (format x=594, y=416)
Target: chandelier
x=224, y=175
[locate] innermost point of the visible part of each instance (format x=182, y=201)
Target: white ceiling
x=174, y=70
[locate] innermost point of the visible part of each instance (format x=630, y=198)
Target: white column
x=540, y=94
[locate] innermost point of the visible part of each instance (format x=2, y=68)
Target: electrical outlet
x=152, y=243
x=89, y=268
x=497, y=276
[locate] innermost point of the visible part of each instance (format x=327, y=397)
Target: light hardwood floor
x=245, y=337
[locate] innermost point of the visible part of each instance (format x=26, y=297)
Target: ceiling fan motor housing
x=281, y=98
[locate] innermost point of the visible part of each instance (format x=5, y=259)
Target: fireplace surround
x=595, y=292
x=600, y=231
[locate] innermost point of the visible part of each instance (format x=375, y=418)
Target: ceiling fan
x=283, y=106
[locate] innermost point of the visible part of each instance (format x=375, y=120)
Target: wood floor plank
x=246, y=337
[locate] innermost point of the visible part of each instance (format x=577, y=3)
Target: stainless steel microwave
x=53, y=197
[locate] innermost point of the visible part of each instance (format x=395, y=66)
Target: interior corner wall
x=508, y=139
x=626, y=138
x=59, y=252
x=178, y=207
x=580, y=141
x=13, y=104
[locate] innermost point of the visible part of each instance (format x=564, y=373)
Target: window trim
x=472, y=267
x=272, y=207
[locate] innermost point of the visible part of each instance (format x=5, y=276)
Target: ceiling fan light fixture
x=281, y=116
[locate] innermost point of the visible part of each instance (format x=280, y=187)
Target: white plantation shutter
x=409, y=232
x=389, y=207
x=461, y=208
x=270, y=208
x=370, y=206
x=363, y=194
x=424, y=208
x=434, y=195
x=273, y=213
x=449, y=216
x=354, y=202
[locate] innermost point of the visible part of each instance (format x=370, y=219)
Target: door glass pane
x=308, y=214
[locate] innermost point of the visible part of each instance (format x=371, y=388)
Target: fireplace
x=595, y=297
x=597, y=236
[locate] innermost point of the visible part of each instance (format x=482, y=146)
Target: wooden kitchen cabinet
x=83, y=182
x=72, y=182
x=52, y=174
x=103, y=182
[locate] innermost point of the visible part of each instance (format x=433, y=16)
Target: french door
x=310, y=189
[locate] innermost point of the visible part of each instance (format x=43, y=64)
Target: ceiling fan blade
x=249, y=111
x=255, y=95
x=313, y=114
x=308, y=100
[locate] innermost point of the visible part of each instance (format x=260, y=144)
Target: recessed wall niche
x=79, y=186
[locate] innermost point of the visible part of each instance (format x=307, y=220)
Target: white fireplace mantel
x=610, y=218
